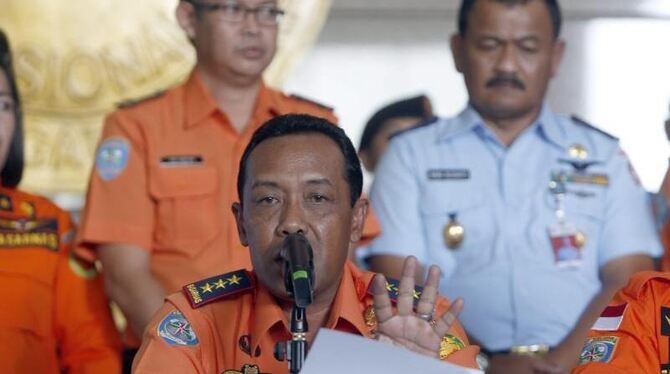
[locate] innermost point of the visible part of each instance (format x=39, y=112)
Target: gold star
x=416, y=294
x=234, y=279
x=389, y=286
x=206, y=288
x=220, y=284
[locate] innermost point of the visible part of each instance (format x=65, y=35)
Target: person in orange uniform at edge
x=664, y=191
x=298, y=175
x=156, y=213
x=632, y=334
x=54, y=317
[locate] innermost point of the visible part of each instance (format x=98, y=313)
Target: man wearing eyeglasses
x=157, y=213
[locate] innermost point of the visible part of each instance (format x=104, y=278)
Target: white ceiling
x=571, y=8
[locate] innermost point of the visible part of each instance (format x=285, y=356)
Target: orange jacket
x=54, y=316
x=165, y=180
x=633, y=333
x=229, y=324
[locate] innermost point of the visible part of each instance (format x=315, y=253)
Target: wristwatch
x=482, y=360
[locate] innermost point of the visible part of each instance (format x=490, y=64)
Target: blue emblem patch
x=598, y=349
x=112, y=158
x=176, y=330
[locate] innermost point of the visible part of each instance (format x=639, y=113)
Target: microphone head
x=298, y=268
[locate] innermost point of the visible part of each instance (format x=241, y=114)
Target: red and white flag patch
x=610, y=319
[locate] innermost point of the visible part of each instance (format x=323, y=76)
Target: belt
x=531, y=349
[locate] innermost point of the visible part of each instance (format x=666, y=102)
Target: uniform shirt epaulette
x=392, y=286
x=132, y=102
x=638, y=282
x=583, y=123
x=218, y=287
x=320, y=105
x=420, y=124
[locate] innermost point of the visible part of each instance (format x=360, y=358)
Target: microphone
x=298, y=269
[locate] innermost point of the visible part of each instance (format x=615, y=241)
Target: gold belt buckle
x=531, y=350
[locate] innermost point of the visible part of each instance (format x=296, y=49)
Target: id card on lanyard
x=565, y=239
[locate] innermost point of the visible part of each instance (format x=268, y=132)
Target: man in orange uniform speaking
x=54, y=317
x=299, y=176
x=157, y=207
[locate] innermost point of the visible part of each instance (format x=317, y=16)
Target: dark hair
x=552, y=6
x=292, y=124
x=11, y=173
x=418, y=106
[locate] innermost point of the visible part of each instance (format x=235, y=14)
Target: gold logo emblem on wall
x=76, y=59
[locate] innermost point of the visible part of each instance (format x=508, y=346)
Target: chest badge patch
x=665, y=321
x=246, y=369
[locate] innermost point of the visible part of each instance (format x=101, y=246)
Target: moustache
x=506, y=80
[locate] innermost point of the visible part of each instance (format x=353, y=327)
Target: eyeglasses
x=233, y=11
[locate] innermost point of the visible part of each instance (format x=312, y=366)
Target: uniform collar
x=551, y=128
x=466, y=121
x=354, y=284
x=200, y=103
x=547, y=125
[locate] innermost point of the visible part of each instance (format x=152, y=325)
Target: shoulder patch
x=583, y=123
x=112, y=157
x=392, y=288
x=301, y=98
x=175, y=329
x=132, y=102
x=598, y=349
x=422, y=123
x=218, y=287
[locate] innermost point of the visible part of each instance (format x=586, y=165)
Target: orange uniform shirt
x=166, y=176
x=633, y=333
x=54, y=317
x=236, y=330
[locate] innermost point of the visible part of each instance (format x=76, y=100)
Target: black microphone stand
x=297, y=346
x=295, y=350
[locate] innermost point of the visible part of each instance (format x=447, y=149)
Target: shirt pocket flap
x=182, y=182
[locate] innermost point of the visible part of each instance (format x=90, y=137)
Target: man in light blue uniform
x=536, y=219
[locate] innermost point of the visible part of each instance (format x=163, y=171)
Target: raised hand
x=420, y=332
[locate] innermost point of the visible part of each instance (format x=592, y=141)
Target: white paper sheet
x=335, y=352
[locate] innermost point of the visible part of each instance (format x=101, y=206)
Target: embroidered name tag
x=448, y=174
x=180, y=161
